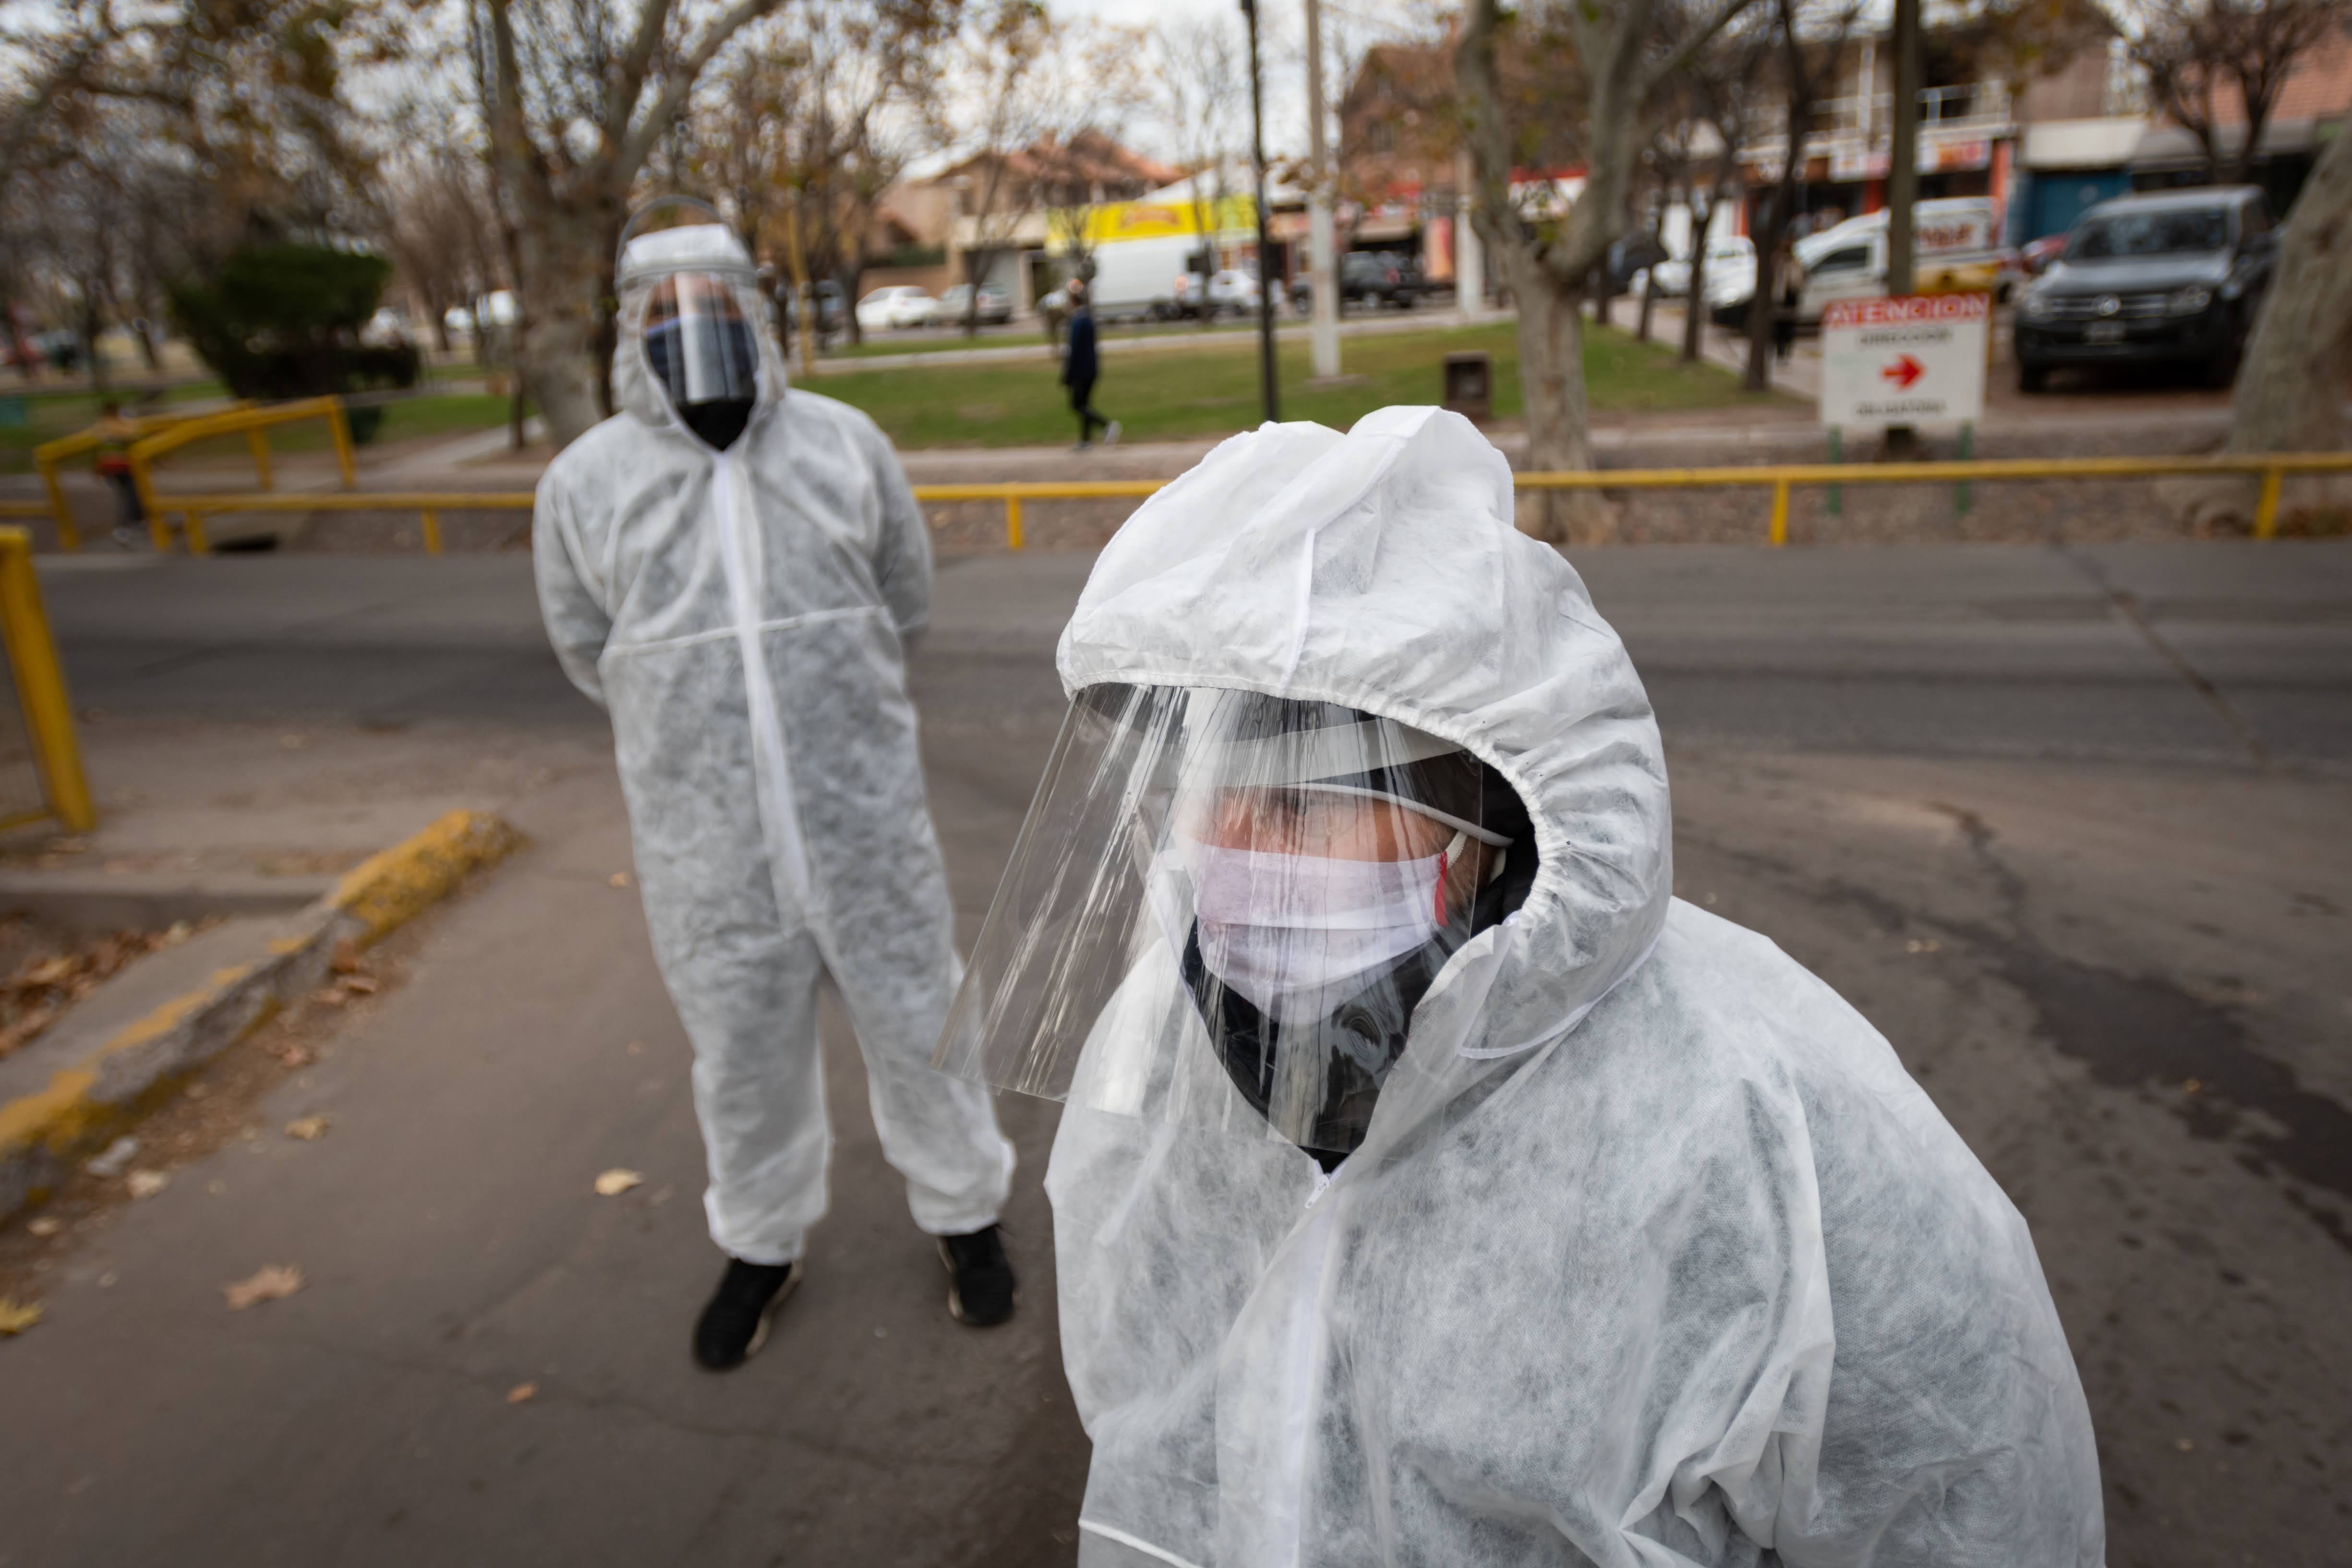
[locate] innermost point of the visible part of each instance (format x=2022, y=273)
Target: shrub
x=277, y=321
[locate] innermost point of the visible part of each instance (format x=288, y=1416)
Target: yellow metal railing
x=51, y=456
x=2270, y=468
x=40, y=691
x=255, y=424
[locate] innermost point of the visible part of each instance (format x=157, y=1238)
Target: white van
x=1136, y=278
x=1957, y=243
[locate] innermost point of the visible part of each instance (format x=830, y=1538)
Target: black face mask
x=1360, y=1037
x=718, y=422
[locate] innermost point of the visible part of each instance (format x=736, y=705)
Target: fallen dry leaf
x=298, y=1056
x=309, y=1128
x=615, y=1182
x=147, y=1184
x=360, y=985
x=16, y=1316
x=47, y=1224
x=619, y=878
x=347, y=958
x=271, y=1282
x=520, y=1392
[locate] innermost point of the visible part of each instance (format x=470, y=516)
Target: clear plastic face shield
x=698, y=342
x=1225, y=908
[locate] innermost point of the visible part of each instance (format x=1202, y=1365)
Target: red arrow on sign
x=1904, y=372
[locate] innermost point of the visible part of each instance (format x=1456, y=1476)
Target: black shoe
x=734, y=1325
x=982, y=1292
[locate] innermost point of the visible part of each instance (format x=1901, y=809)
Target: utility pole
x=1469, y=251
x=1326, y=332
x=1269, y=395
x=1903, y=155
x=1902, y=185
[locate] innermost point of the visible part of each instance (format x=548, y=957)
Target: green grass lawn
x=1212, y=390
x=50, y=415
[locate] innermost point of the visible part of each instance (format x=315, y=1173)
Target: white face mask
x=1295, y=933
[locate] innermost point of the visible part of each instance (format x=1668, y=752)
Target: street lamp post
x=1269, y=395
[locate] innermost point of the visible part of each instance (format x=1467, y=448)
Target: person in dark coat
x=1079, y=368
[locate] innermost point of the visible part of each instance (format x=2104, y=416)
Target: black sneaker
x=734, y=1325
x=980, y=1291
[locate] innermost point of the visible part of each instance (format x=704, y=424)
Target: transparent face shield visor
x=699, y=340
x=1224, y=909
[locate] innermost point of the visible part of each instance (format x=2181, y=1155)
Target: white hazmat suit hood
x=1652, y=1254
x=744, y=615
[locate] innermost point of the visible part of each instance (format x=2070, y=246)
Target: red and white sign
x=1918, y=359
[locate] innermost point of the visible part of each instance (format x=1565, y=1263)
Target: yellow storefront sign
x=1163, y=220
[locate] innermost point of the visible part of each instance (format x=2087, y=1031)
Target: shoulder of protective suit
x=585, y=461
x=1745, y=1004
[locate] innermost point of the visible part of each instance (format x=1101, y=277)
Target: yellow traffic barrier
x=40, y=691
x=50, y=455
x=1780, y=480
x=254, y=423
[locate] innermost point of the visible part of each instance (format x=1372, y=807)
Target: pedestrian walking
x=1080, y=367
x=115, y=433
x=1432, y=1185
x=734, y=570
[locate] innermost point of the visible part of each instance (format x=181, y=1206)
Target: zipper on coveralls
x=773, y=763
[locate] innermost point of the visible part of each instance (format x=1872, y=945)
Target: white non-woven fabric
x=743, y=616
x=1653, y=1254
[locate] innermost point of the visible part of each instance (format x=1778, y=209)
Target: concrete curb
x=42, y=1132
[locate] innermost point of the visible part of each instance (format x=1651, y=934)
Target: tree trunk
x=1551, y=386
x=562, y=278
x=2298, y=366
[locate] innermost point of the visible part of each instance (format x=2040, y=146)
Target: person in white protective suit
x=1431, y=1186
x=733, y=570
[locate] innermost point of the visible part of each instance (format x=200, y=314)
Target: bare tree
x=1618, y=54
x=1810, y=44
x=577, y=96
x=2198, y=54
x=2293, y=386
x=1202, y=87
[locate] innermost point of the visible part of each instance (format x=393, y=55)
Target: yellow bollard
x=199, y=543
x=2266, y=510
x=258, y=441
x=1012, y=523
x=1780, y=512
x=431, y=532
x=60, y=513
x=340, y=427
x=41, y=684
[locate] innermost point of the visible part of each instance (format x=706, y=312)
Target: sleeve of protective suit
x=902, y=550
x=577, y=620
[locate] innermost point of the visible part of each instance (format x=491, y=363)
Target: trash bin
x=1470, y=384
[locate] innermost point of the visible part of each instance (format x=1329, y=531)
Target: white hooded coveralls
x=743, y=616
x=1654, y=1253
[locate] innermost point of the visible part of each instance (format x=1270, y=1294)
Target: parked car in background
x=1959, y=251
x=1379, y=277
x=995, y=305
x=1631, y=257
x=898, y=306
x=1731, y=256
x=2167, y=277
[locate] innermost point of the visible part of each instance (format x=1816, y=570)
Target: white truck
x=1139, y=278
x=1955, y=245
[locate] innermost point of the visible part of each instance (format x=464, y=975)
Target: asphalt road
x=2067, y=826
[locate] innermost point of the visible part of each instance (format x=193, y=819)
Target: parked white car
x=901, y=305
x=1734, y=256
